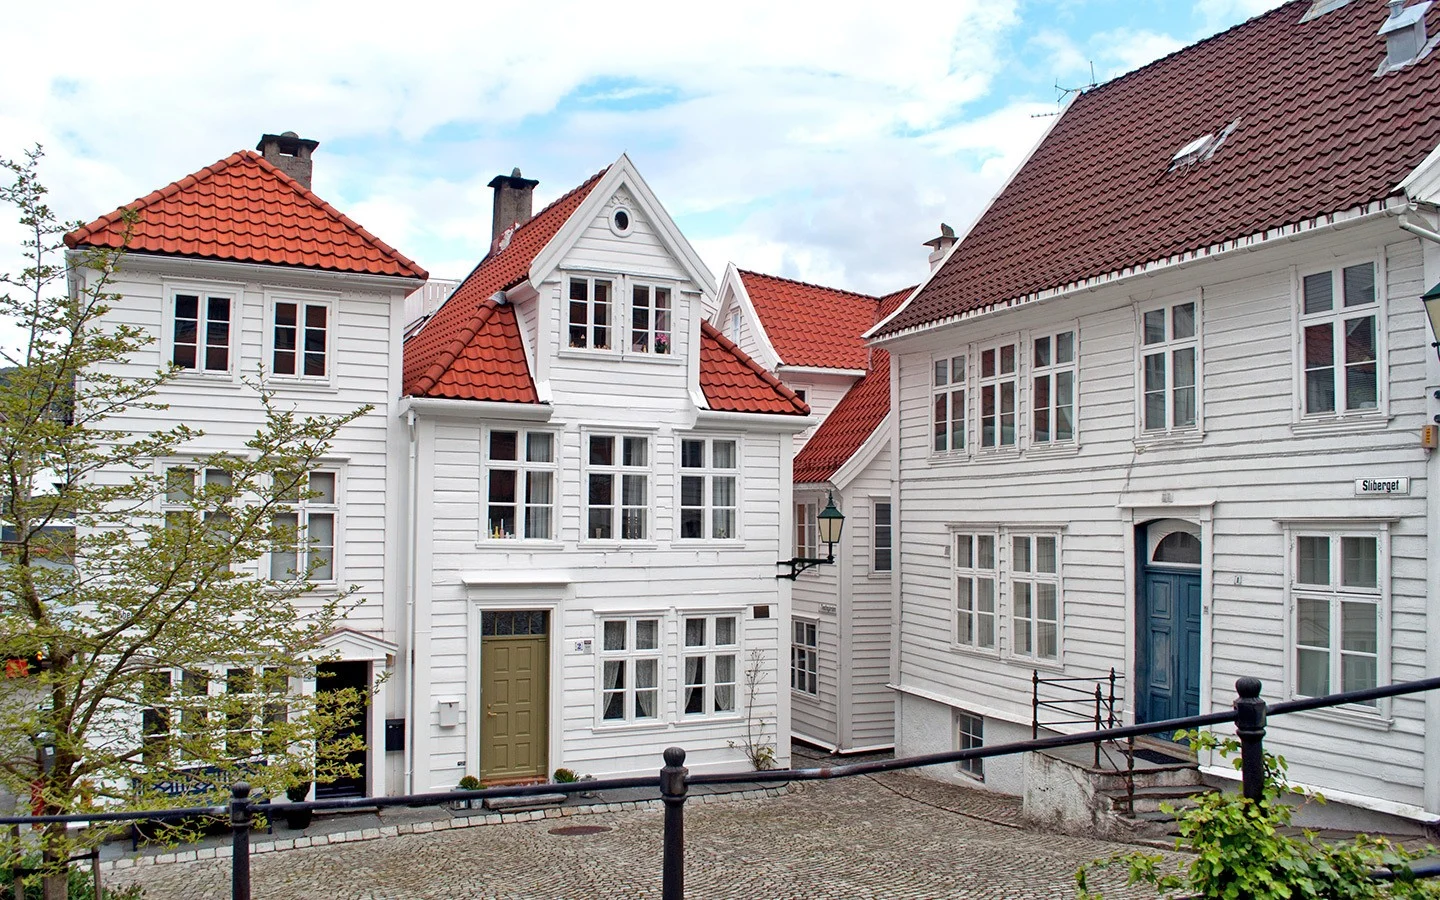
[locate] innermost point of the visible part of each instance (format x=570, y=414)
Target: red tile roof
x=460, y=321
x=810, y=325
x=848, y=425
x=491, y=364
x=244, y=209
x=733, y=382
x=1318, y=133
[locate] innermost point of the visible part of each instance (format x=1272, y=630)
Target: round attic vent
x=621, y=222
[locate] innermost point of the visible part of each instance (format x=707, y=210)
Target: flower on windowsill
x=662, y=344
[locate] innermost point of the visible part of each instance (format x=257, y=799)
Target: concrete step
x=1177, y=775
x=523, y=804
x=1148, y=798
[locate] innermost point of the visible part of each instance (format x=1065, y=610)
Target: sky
x=819, y=141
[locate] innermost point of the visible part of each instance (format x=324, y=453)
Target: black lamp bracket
x=804, y=564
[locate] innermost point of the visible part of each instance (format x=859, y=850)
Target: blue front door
x=1168, y=648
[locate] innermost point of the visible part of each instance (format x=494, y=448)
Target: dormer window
x=590, y=313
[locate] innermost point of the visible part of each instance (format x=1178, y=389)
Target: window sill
x=1043, y=665
x=525, y=543
x=1355, y=424
x=214, y=379
x=986, y=454
x=950, y=458
x=879, y=576
x=617, y=544
x=1045, y=451
x=1159, y=441
x=707, y=543
x=709, y=719
x=608, y=726
x=285, y=383
x=978, y=652
x=803, y=695
x=1352, y=716
x=587, y=353
x=664, y=359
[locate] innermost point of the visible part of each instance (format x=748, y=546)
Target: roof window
x=1202, y=148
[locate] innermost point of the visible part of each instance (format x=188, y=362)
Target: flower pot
x=299, y=818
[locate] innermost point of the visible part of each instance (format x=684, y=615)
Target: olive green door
x=514, y=695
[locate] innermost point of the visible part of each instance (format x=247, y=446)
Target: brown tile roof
x=733, y=382
x=461, y=319
x=244, y=209
x=1318, y=133
x=848, y=425
x=810, y=325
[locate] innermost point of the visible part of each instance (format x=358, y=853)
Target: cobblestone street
x=893, y=836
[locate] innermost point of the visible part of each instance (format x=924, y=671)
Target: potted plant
x=468, y=783
x=298, y=818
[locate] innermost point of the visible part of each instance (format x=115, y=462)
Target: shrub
x=470, y=783
x=1241, y=854
x=565, y=776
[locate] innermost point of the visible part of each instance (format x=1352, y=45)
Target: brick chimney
x=513, y=196
x=941, y=245
x=290, y=153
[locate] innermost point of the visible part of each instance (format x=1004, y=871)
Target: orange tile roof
x=244, y=209
x=1318, y=132
x=733, y=382
x=810, y=325
x=848, y=425
x=491, y=365
x=461, y=319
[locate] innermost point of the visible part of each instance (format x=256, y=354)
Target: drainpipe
x=410, y=575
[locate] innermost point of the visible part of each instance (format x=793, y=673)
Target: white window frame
x=876, y=530
x=1169, y=346
x=1031, y=578
x=302, y=300
x=304, y=509
x=619, y=472
x=997, y=382
x=1052, y=374
x=1339, y=313
x=974, y=575
x=805, y=656
x=629, y=657
x=708, y=473
x=712, y=653
x=947, y=393
x=204, y=291
x=970, y=735
x=653, y=335
x=490, y=534
x=1335, y=594
x=592, y=313
x=272, y=706
x=807, y=529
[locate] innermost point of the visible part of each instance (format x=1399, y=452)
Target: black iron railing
x=1249, y=713
x=1080, y=701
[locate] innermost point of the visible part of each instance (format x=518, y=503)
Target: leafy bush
x=565, y=776
x=82, y=885
x=469, y=783
x=1241, y=854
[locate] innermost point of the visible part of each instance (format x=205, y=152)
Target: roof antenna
x=1064, y=92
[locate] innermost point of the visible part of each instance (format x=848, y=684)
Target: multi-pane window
x=1340, y=327
x=711, y=653
x=617, y=493
x=735, y=327
x=311, y=507
x=201, y=336
x=253, y=710
x=161, y=692
x=181, y=484
x=709, y=475
x=1035, y=595
x=155, y=717
x=999, y=395
x=1052, y=388
x=630, y=670
x=949, y=404
x=302, y=338
x=807, y=530
x=1336, y=586
x=883, y=537
x=650, y=315
x=590, y=314
x=520, y=484
x=971, y=736
x=805, y=657
x=1168, y=368
x=976, y=578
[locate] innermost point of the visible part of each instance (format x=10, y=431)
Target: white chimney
x=939, y=246
x=1404, y=33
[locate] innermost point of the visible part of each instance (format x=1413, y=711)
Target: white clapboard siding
x=1254, y=465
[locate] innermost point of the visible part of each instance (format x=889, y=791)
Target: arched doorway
x=1167, y=640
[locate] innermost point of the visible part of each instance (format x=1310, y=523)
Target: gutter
x=738, y=421
x=476, y=409
x=410, y=588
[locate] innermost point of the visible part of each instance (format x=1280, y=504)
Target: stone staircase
x=1065, y=790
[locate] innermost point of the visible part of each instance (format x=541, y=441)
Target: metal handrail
x=1249, y=713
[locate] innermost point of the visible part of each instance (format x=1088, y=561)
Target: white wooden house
x=238, y=272
x=1161, y=408
x=840, y=629
x=598, y=491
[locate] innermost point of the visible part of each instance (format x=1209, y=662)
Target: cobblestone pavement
x=892, y=836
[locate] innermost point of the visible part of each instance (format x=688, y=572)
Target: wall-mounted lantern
x=831, y=521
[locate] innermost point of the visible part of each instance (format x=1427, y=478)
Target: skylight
x=1191, y=150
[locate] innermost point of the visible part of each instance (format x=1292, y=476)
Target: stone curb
x=475, y=821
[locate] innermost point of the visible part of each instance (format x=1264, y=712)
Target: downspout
x=410, y=552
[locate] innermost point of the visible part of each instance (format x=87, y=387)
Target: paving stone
x=864, y=838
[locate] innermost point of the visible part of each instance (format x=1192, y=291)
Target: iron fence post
x=240, y=826
x=1250, y=728
x=672, y=791
x=1110, y=715
x=1034, y=704
x=1099, y=698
